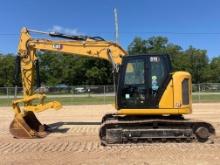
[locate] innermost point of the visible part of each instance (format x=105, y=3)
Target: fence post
x=7, y=91
x=89, y=91
x=15, y=95
x=72, y=92
x=199, y=93
x=104, y=95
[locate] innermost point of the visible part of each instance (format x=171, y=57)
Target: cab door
x=132, y=87
x=158, y=77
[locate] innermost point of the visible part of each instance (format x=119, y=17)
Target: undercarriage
x=117, y=129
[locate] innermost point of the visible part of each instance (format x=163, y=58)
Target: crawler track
x=117, y=129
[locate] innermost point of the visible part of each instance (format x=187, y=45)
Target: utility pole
x=117, y=41
x=116, y=26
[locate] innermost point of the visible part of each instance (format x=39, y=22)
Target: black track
x=116, y=129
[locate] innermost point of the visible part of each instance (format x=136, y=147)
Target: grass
x=97, y=100
x=84, y=100
x=5, y=102
x=212, y=98
x=71, y=100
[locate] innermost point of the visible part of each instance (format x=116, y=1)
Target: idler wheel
x=202, y=133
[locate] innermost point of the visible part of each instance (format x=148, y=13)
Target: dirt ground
x=76, y=141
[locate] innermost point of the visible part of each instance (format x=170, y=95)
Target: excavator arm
x=25, y=123
x=75, y=45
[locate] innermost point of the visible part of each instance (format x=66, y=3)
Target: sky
x=184, y=22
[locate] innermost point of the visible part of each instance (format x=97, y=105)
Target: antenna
x=116, y=26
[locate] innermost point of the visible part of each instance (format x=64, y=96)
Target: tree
x=215, y=70
x=52, y=68
x=192, y=60
x=73, y=70
x=153, y=45
x=198, y=61
x=7, y=63
x=137, y=46
x=156, y=45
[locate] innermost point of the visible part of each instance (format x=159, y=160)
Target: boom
x=75, y=45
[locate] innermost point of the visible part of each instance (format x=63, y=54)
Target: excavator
x=150, y=99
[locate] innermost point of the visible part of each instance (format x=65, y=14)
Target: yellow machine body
x=171, y=102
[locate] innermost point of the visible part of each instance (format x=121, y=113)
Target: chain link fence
x=204, y=92
x=68, y=95
x=62, y=91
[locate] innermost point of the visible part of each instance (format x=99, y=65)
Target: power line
x=8, y=34
x=175, y=33
x=180, y=35
x=136, y=32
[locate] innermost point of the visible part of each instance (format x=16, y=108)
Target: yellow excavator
x=150, y=99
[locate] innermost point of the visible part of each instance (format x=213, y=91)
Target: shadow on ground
x=56, y=127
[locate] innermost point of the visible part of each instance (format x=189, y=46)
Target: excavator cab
x=142, y=80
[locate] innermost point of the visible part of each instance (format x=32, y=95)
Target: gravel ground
x=76, y=141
